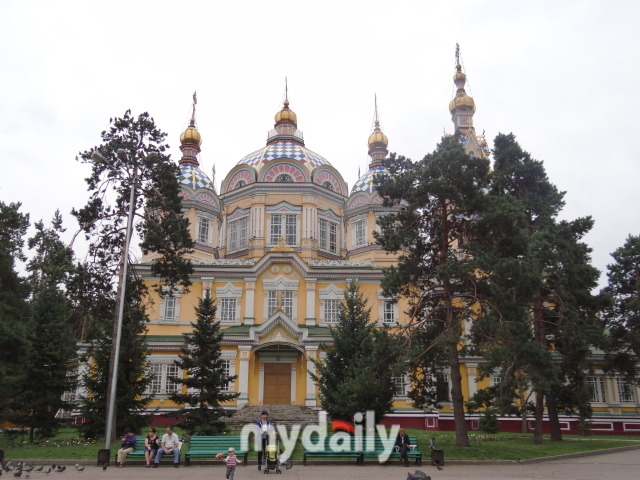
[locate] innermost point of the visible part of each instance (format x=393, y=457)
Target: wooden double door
x=277, y=384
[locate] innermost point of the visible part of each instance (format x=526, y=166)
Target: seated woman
x=150, y=447
x=128, y=445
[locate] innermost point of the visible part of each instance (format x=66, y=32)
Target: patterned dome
x=366, y=183
x=283, y=149
x=196, y=186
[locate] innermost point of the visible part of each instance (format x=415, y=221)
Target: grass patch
x=69, y=445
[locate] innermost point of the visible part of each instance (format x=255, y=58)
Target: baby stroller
x=273, y=461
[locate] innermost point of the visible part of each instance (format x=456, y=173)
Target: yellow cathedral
x=276, y=248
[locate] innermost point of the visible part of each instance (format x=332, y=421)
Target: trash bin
x=103, y=456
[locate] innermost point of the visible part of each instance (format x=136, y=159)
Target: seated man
x=402, y=446
x=169, y=445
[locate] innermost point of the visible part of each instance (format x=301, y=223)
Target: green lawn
x=502, y=446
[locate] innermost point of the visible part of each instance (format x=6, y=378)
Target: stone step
x=279, y=415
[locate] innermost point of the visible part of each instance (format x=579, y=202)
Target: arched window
x=284, y=178
x=328, y=185
x=239, y=183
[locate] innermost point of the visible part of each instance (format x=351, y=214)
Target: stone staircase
x=279, y=414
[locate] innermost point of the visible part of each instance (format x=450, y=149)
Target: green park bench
x=208, y=446
x=412, y=454
x=138, y=453
x=328, y=453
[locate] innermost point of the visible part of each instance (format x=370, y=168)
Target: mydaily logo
x=314, y=437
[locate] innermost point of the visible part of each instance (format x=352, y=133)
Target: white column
x=311, y=353
x=249, y=301
x=243, y=375
x=310, y=316
x=261, y=385
x=471, y=378
x=293, y=384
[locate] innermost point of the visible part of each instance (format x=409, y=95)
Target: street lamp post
x=115, y=348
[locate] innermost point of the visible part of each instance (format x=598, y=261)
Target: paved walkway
x=623, y=465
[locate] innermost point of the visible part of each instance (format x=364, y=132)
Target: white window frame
x=328, y=232
x=239, y=234
x=164, y=367
x=598, y=390
x=229, y=294
x=203, y=230
x=359, y=231
x=495, y=379
x=626, y=391
x=388, y=311
x=330, y=293
x=284, y=221
x=280, y=284
x=170, y=302
x=402, y=385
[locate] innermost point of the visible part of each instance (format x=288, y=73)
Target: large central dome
x=284, y=159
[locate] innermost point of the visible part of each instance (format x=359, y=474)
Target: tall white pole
x=122, y=287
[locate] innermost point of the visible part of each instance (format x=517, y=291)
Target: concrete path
x=623, y=465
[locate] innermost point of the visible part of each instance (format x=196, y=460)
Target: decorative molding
x=225, y=262
x=340, y=263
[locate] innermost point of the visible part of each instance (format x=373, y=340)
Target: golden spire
x=286, y=114
x=191, y=136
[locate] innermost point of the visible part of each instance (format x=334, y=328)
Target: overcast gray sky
x=560, y=75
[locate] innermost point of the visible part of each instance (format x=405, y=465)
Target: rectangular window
x=596, y=385
x=239, y=234
x=169, y=312
x=332, y=311
x=495, y=379
x=402, y=385
x=226, y=365
x=443, y=390
x=227, y=309
x=162, y=375
x=359, y=233
x=626, y=392
x=282, y=300
x=203, y=230
x=328, y=240
x=284, y=225
x=389, y=314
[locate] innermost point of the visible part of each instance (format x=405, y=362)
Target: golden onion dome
x=191, y=136
x=462, y=100
x=460, y=75
x=286, y=114
x=377, y=138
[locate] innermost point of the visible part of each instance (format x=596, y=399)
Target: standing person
x=265, y=427
x=402, y=442
x=128, y=445
x=231, y=462
x=150, y=447
x=170, y=445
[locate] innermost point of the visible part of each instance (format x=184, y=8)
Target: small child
x=231, y=462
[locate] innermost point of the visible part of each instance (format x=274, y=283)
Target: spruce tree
x=356, y=373
x=442, y=197
x=13, y=306
x=52, y=360
x=204, y=375
x=623, y=312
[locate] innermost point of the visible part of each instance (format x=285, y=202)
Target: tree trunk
x=457, y=399
x=554, y=421
x=537, y=434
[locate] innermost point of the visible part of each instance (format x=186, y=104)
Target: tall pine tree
x=442, y=195
x=13, y=306
x=205, y=378
x=132, y=158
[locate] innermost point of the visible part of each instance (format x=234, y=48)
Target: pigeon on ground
x=419, y=475
x=104, y=467
x=29, y=468
x=18, y=473
x=39, y=469
x=61, y=469
x=48, y=471
x=79, y=468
